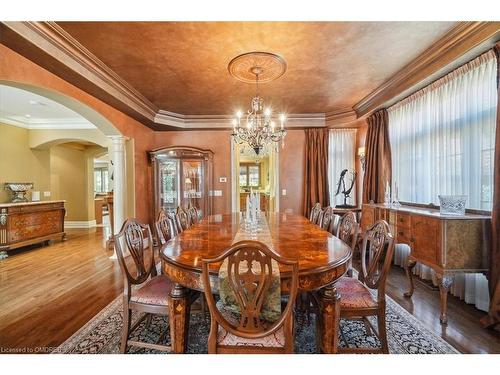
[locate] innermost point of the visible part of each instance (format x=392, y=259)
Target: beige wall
x=18, y=69
x=19, y=163
x=68, y=181
x=66, y=172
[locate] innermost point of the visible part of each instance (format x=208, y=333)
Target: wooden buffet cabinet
x=448, y=244
x=23, y=224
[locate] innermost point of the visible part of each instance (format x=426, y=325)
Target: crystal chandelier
x=259, y=130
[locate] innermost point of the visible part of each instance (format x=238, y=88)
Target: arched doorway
x=105, y=135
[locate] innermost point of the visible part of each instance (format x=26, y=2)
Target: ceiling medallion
x=273, y=66
x=259, y=131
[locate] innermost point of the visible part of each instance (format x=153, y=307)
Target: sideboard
x=23, y=224
x=448, y=244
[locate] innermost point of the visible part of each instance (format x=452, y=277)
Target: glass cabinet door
x=169, y=173
x=182, y=176
x=193, y=192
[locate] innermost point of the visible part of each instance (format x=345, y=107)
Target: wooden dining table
x=322, y=257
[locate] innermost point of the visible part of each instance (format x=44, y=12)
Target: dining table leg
x=179, y=312
x=329, y=324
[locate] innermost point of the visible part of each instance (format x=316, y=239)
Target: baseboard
x=79, y=224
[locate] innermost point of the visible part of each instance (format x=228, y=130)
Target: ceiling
x=181, y=67
x=23, y=108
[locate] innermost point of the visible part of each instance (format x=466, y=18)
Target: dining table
x=322, y=258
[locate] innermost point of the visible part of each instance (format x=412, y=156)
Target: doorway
x=257, y=173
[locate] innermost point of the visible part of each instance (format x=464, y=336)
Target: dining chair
x=251, y=281
x=193, y=214
x=334, y=224
x=144, y=291
x=315, y=215
x=356, y=300
x=182, y=218
x=327, y=217
x=175, y=225
x=163, y=228
x=348, y=231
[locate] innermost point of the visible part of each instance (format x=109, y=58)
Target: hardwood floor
x=48, y=293
x=463, y=330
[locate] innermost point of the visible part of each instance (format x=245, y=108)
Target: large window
x=341, y=156
x=249, y=175
x=442, y=137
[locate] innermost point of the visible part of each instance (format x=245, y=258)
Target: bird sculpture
x=342, y=186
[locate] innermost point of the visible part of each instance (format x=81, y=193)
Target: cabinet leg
x=329, y=314
x=410, y=264
x=445, y=282
x=179, y=308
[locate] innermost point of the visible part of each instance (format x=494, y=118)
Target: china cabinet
x=182, y=176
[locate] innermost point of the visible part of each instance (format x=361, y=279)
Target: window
x=442, y=137
x=249, y=175
x=341, y=156
x=101, y=182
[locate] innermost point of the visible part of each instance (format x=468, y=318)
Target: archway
x=110, y=137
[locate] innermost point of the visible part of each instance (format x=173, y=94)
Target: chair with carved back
x=316, y=213
x=327, y=217
x=182, y=218
x=348, y=231
x=356, y=301
x=193, y=214
x=175, y=226
x=144, y=290
x=163, y=228
x=250, y=277
x=334, y=224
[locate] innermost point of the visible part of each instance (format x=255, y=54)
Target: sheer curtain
x=442, y=140
x=341, y=155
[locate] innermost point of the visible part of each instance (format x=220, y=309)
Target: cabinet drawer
x=426, y=236
x=403, y=220
x=403, y=235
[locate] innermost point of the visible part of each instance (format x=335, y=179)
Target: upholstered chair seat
x=356, y=299
x=273, y=340
x=144, y=290
x=248, y=318
x=354, y=294
x=154, y=292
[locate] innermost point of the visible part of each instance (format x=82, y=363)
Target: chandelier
x=259, y=129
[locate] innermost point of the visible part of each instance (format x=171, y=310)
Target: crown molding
x=340, y=116
x=55, y=42
x=50, y=46
x=461, y=39
x=199, y=122
x=53, y=124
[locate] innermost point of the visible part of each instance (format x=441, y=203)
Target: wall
x=69, y=181
x=67, y=173
x=360, y=142
x=18, y=163
x=219, y=141
x=292, y=168
x=44, y=138
x=17, y=68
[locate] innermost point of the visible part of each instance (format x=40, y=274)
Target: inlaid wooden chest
x=23, y=224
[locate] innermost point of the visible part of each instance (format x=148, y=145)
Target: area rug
x=406, y=335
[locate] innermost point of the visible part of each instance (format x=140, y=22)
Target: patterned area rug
x=405, y=333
